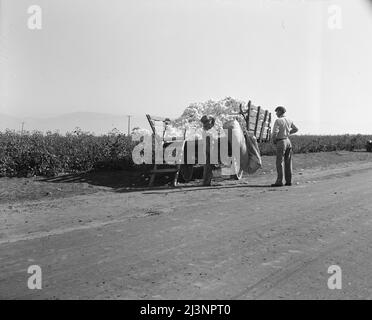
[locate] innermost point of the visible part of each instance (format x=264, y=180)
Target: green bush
x=312, y=143
x=51, y=154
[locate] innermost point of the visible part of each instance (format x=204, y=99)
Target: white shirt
x=282, y=128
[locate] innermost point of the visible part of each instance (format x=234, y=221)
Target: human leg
x=279, y=161
x=288, y=162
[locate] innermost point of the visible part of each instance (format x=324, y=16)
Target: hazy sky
x=158, y=56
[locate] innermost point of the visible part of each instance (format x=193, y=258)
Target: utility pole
x=128, y=124
x=23, y=123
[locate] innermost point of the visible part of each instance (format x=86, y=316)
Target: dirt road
x=233, y=240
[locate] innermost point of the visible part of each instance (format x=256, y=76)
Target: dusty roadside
x=233, y=240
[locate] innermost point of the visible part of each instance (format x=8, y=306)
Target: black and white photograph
x=198, y=151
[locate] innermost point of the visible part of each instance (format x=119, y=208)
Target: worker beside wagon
x=282, y=129
x=208, y=123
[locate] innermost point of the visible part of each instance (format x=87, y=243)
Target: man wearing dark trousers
x=282, y=129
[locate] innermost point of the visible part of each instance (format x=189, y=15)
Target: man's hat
x=206, y=119
x=208, y=122
x=280, y=109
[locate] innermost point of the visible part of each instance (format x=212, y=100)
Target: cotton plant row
x=50, y=154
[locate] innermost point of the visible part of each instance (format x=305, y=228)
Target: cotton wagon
x=232, y=151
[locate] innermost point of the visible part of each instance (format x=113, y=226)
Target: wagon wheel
x=187, y=171
x=238, y=172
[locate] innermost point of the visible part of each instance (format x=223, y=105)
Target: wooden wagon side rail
x=258, y=121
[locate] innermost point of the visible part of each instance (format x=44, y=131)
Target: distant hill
x=97, y=123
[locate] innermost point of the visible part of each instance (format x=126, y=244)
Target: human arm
x=275, y=132
x=294, y=129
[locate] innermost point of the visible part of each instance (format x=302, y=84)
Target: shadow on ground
x=132, y=181
x=110, y=179
x=119, y=181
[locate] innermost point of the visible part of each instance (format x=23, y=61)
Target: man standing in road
x=283, y=128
